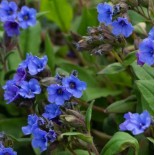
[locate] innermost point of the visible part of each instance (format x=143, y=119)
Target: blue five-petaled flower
x=11, y=91
x=27, y=17
x=105, y=13
x=32, y=124
x=136, y=123
x=57, y=94
x=29, y=88
x=146, y=51
x=34, y=64
x=40, y=139
x=8, y=11
x=51, y=111
x=121, y=26
x=6, y=150
x=74, y=86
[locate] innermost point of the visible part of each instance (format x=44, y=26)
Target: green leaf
x=81, y=136
x=130, y=58
x=30, y=39
x=12, y=64
x=94, y=93
x=60, y=11
x=135, y=17
x=12, y=126
x=89, y=18
x=146, y=90
x=143, y=72
x=112, y=69
x=150, y=139
x=119, y=142
x=50, y=53
x=78, y=152
x=122, y=106
x=89, y=115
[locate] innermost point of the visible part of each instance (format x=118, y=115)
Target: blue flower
x=136, y=123
x=51, y=136
x=40, y=139
x=74, y=86
x=29, y=89
x=121, y=26
x=8, y=11
x=138, y=60
x=51, y=111
x=57, y=94
x=151, y=34
x=146, y=51
x=7, y=151
x=105, y=13
x=20, y=75
x=27, y=17
x=32, y=124
x=34, y=64
x=11, y=28
x=11, y=92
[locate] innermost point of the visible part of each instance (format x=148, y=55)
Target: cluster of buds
x=99, y=40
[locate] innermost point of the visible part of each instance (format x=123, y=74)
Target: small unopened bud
x=82, y=45
x=116, y=9
x=75, y=73
x=123, y=7
x=132, y=3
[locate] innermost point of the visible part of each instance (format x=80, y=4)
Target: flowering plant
x=76, y=77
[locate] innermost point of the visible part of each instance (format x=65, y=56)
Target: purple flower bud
x=11, y=28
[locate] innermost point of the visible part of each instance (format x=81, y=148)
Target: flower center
x=122, y=23
x=72, y=85
x=10, y=12
x=13, y=25
x=59, y=91
x=26, y=17
x=6, y=153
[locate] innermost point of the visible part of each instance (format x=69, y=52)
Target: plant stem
x=114, y=54
x=71, y=150
x=77, y=53
x=19, y=51
x=94, y=149
x=85, y=104
x=101, y=134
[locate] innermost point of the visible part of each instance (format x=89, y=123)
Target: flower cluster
x=14, y=20
x=24, y=84
x=41, y=128
x=136, y=123
x=146, y=50
x=6, y=150
x=120, y=26
x=65, y=88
